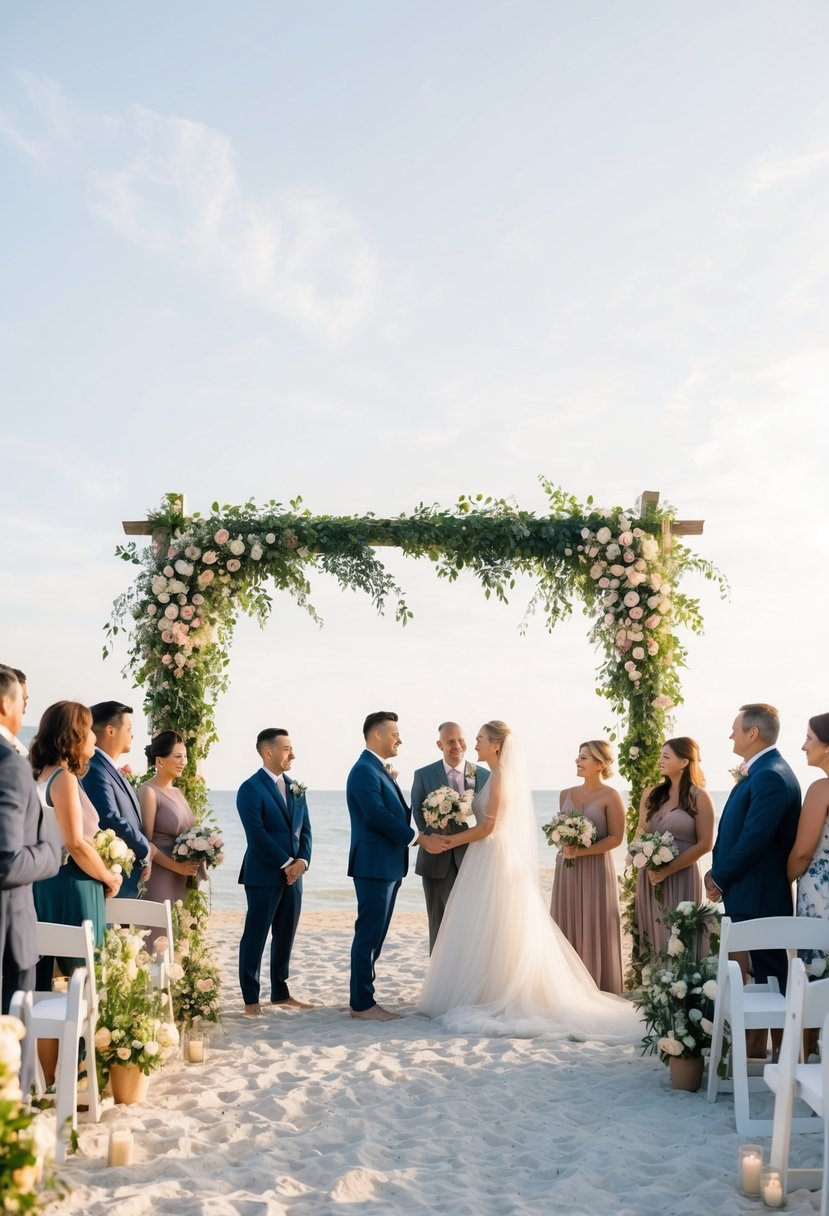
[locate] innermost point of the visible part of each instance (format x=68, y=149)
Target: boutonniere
x=469, y=776
x=392, y=772
x=298, y=789
x=740, y=773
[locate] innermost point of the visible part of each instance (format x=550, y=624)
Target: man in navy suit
x=757, y=829
x=111, y=794
x=274, y=814
x=381, y=834
x=30, y=849
x=439, y=870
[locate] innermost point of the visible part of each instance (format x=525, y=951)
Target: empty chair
x=753, y=1006
x=146, y=914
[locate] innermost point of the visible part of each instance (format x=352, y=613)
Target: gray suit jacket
x=426, y=780
x=30, y=848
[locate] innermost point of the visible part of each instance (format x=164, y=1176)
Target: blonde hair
x=602, y=752
x=497, y=731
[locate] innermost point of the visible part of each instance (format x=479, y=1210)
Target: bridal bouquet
x=446, y=806
x=113, y=852
x=199, y=844
x=651, y=852
x=566, y=828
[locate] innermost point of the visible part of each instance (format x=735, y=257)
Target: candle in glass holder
x=120, y=1146
x=771, y=1188
x=751, y=1168
x=195, y=1051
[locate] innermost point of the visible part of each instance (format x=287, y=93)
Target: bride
x=501, y=966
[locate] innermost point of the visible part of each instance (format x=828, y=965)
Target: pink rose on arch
x=653, y=647
x=629, y=555
x=630, y=599
x=638, y=653
x=662, y=702
x=234, y=564
x=196, y=622
x=198, y=599
x=634, y=674
x=222, y=536
x=609, y=618
x=626, y=539
x=172, y=551
x=167, y=636
x=603, y=535
x=171, y=612
x=187, y=612
x=166, y=659
x=206, y=577
x=636, y=614
x=630, y=665
x=652, y=622
x=604, y=582
x=209, y=558
x=169, y=571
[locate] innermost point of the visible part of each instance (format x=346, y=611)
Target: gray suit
x=439, y=870
x=30, y=849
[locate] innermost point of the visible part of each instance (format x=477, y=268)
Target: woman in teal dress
x=809, y=858
x=59, y=755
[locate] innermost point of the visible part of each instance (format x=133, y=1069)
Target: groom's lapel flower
x=299, y=789
x=740, y=773
x=392, y=772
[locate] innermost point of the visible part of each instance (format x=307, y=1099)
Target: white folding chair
x=807, y=1006
x=67, y=1017
x=753, y=1006
x=149, y=914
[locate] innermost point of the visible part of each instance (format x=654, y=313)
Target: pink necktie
x=280, y=785
x=455, y=779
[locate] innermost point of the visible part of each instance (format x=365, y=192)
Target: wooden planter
x=129, y=1084
x=686, y=1072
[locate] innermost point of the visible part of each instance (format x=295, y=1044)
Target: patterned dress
x=813, y=889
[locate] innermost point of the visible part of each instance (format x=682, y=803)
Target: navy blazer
x=426, y=781
x=30, y=850
x=756, y=833
x=275, y=830
x=117, y=805
x=380, y=822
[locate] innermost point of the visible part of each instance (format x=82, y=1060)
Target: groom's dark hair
x=267, y=736
x=383, y=715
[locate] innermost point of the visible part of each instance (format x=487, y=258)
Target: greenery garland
x=182, y=608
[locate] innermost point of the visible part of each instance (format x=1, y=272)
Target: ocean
x=327, y=887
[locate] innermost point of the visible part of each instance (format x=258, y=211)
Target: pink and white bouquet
x=651, y=852
x=113, y=852
x=445, y=806
x=199, y=844
x=566, y=828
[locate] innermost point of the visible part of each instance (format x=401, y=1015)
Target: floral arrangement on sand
x=132, y=1028
x=196, y=977
x=26, y=1139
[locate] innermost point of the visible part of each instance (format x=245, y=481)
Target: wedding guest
x=757, y=830
x=278, y=832
x=681, y=805
x=60, y=753
x=585, y=903
x=809, y=859
x=439, y=870
x=13, y=740
x=29, y=849
x=165, y=814
x=112, y=795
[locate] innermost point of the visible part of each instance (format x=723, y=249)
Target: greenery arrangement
x=196, y=977
x=679, y=987
x=131, y=1025
x=25, y=1141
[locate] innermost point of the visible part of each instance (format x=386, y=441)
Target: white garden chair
x=67, y=1017
x=753, y=1006
x=807, y=1006
x=148, y=914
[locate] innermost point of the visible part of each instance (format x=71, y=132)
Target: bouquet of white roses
x=651, y=852
x=445, y=806
x=131, y=1025
x=199, y=844
x=113, y=852
x=566, y=828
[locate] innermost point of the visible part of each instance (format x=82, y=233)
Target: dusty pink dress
x=687, y=884
x=585, y=906
x=172, y=817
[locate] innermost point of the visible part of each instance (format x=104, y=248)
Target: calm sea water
x=327, y=886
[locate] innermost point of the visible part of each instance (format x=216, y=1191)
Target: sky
x=378, y=254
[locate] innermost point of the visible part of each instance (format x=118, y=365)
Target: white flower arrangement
x=445, y=807
x=569, y=829
x=298, y=788
x=131, y=1025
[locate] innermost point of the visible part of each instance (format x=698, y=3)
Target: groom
x=379, y=858
x=440, y=871
x=756, y=833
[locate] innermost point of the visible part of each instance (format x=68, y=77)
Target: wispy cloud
x=171, y=185
x=780, y=167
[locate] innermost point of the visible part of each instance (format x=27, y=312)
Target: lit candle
x=195, y=1051
x=120, y=1147
x=751, y=1167
x=771, y=1189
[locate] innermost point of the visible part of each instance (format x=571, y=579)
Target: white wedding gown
x=501, y=966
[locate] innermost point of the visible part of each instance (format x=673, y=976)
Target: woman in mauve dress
x=585, y=903
x=680, y=804
x=166, y=813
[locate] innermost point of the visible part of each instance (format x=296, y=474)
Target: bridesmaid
x=585, y=903
x=809, y=858
x=166, y=813
x=680, y=804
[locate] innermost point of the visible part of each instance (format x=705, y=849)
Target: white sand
x=317, y=1113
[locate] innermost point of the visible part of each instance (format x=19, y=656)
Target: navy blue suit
x=276, y=830
x=117, y=805
x=378, y=860
x=756, y=833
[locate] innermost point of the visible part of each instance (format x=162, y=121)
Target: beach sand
x=313, y=1112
